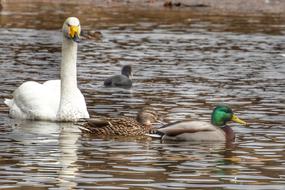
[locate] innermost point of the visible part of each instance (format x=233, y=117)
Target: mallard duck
x=121, y=126
x=217, y=130
x=54, y=100
x=123, y=80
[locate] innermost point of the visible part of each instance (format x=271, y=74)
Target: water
x=184, y=65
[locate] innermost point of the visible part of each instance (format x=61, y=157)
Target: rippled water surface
x=184, y=65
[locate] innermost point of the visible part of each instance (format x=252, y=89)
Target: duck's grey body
x=195, y=131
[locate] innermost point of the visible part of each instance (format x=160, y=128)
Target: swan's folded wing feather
x=53, y=85
x=36, y=100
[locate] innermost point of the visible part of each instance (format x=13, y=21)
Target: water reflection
x=47, y=153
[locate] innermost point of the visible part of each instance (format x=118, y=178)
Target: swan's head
x=71, y=29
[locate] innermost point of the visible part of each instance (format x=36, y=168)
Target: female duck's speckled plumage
x=121, y=126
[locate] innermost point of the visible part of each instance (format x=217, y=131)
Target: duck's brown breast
x=230, y=135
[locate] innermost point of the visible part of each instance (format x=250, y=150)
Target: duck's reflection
x=48, y=145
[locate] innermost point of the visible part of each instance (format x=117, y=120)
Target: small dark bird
x=123, y=80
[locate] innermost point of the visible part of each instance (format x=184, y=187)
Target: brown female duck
x=121, y=126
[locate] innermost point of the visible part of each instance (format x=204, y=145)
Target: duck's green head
x=222, y=114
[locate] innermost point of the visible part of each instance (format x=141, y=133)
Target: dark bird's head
x=127, y=71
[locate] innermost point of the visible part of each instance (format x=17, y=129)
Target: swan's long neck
x=68, y=73
x=68, y=80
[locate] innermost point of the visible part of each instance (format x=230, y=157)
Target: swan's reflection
x=48, y=147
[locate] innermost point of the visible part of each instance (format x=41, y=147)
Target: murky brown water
x=184, y=65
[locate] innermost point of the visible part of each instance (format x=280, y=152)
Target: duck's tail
x=154, y=133
x=81, y=123
x=83, y=128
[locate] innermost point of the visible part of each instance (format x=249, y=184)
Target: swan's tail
x=8, y=102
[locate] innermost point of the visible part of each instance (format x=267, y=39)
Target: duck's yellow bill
x=73, y=30
x=236, y=119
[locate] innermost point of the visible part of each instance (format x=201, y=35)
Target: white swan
x=54, y=100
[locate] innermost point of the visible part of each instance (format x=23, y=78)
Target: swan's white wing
x=53, y=85
x=33, y=100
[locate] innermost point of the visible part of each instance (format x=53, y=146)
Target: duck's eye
x=68, y=25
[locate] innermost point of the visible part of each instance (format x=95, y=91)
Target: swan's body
x=54, y=100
